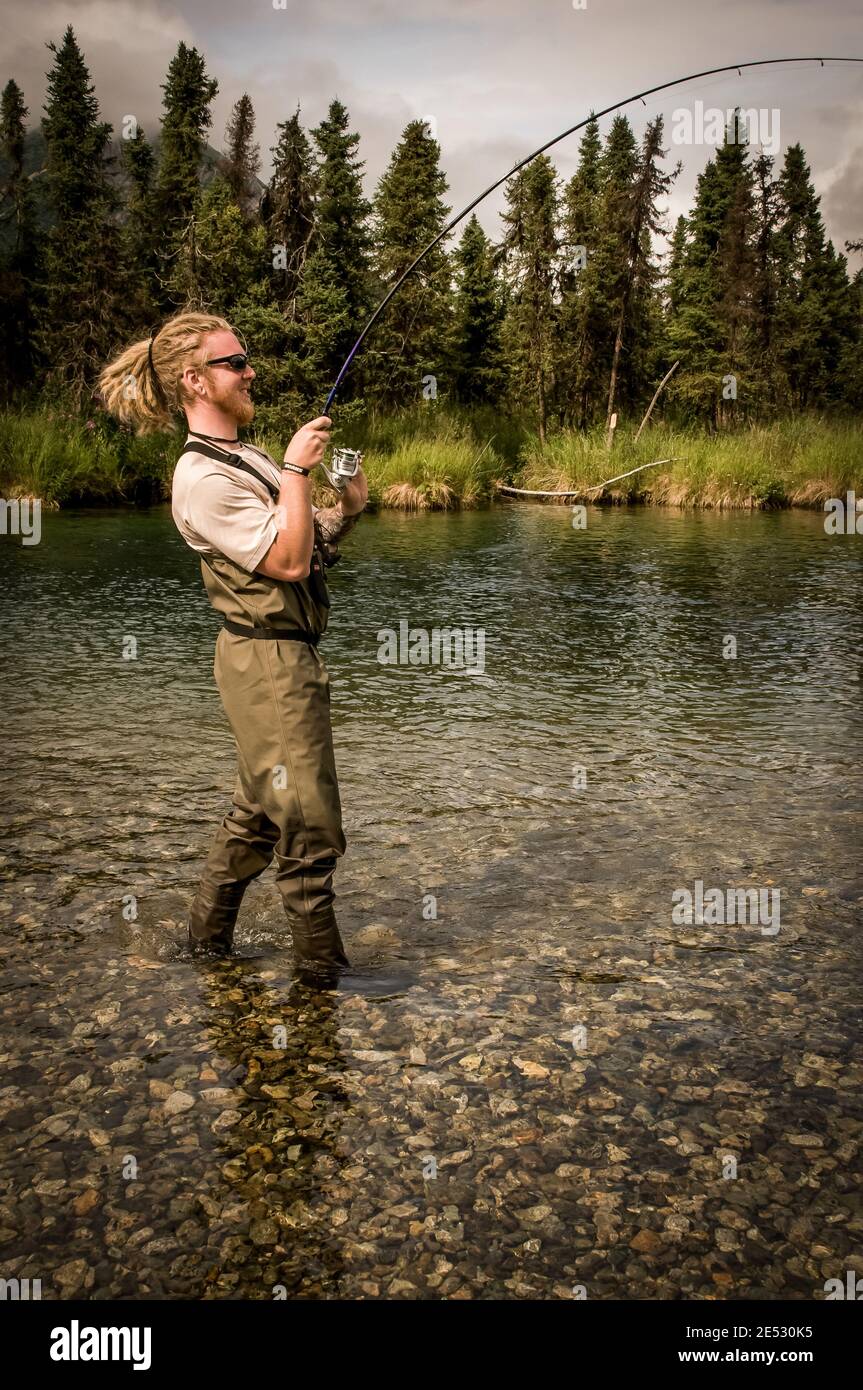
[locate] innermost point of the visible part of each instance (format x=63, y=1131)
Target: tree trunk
x=618, y=344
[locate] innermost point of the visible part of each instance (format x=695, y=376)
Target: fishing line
x=595, y=115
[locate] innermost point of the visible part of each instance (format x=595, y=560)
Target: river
x=537, y=1081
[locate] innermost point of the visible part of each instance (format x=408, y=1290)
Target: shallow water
x=549, y=1088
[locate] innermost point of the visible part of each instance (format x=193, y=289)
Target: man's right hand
x=306, y=449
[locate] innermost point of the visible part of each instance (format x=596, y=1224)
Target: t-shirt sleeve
x=232, y=519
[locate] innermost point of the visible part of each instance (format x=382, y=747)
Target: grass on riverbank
x=64, y=460
x=796, y=462
x=418, y=473
x=414, y=463
x=432, y=457
x=437, y=459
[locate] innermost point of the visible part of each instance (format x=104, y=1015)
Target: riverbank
x=442, y=461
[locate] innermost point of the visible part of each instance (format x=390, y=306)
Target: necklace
x=213, y=438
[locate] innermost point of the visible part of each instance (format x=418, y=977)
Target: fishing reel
x=344, y=465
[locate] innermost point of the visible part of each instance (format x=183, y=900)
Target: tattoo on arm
x=331, y=523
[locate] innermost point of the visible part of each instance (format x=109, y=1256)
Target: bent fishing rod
x=346, y=461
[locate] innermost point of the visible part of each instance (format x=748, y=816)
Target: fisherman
x=263, y=548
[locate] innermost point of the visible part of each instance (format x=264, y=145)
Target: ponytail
x=143, y=386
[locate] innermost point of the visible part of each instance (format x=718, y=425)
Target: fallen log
x=579, y=491
x=532, y=492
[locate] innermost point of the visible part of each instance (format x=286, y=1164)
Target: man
x=263, y=548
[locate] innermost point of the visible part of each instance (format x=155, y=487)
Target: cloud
x=501, y=76
x=127, y=46
x=842, y=203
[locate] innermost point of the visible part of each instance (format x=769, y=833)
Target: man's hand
x=307, y=447
x=355, y=494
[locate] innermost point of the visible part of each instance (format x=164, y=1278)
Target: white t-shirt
x=221, y=509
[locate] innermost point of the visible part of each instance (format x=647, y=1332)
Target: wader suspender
x=211, y=452
x=315, y=572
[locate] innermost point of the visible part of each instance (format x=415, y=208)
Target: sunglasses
x=238, y=361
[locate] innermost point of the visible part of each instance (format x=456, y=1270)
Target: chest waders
x=276, y=693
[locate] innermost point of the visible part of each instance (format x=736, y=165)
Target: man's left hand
x=355, y=494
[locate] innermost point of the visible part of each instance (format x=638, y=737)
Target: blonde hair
x=143, y=386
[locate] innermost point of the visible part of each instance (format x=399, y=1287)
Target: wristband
x=295, y=468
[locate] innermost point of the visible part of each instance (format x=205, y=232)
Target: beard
x=235, y=400
x=244, y=410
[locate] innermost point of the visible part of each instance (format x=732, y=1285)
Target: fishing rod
x=345, y=462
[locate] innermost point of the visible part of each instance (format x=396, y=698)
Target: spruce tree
x=676, y=262
x=242, y=157
x=410, y=347
x=187, y=117
x=18, y=268
x=342, y=238
x=18, y=214
x=81, y=309
x=692, y=323
x=735, y=267
x=851, y=365
x=219, y=260
x=608, y=272
x=326, y=324
x=816, y=317
x=649, y=184
x=592, y=322
x=530, y=250
x=289, y=210
x=476, y=353
x=579, y=240
x=710, y=330
x=583, y=187
x=141, y=229
x=764, y=289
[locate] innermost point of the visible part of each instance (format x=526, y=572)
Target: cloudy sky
x=498, y=77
